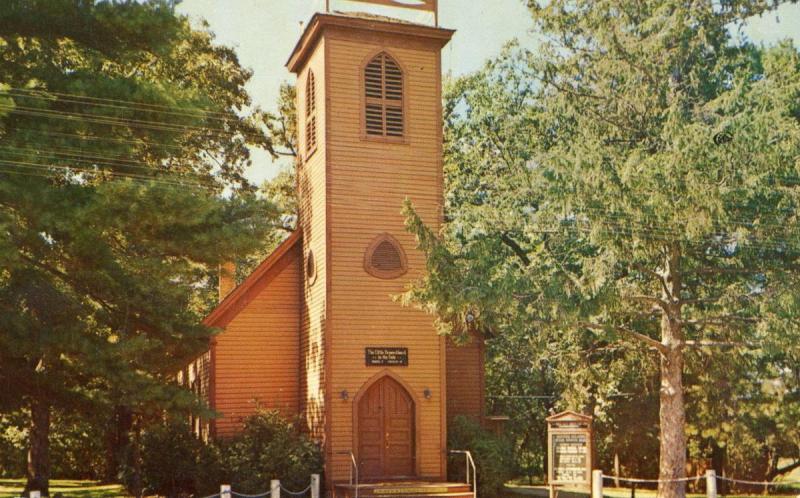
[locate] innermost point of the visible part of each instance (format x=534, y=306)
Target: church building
x=316, y=331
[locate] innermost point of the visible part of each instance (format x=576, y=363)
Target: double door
x=386, y=431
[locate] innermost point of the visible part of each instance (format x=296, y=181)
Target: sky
x=263, y=32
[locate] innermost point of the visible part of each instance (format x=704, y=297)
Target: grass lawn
x=70, y=489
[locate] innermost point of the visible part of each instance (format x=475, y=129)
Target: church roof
x=367, y=22
x=376, y=17
x=247, y=290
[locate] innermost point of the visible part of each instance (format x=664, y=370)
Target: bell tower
x=372, y=373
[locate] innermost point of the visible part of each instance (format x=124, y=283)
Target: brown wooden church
x=314, y=331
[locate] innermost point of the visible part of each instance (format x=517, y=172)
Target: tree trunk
x=672, y=463
x=38, y=449
x=117, y=443
x=672, y=416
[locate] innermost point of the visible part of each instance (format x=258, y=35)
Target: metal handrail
x=353, y=468
x=470, y=464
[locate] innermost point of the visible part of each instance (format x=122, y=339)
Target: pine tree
x=124, y=135
x=634, y=181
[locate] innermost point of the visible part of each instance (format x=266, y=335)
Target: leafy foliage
x=629, y=189
x=270, y=447
x=77, y=445
x=121, y=128
x=493, y=456
x=175, y=463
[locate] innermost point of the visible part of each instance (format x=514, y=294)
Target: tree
x=121, y=128
x=633, y=181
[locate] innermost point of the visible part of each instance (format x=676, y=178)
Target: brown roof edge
x=320, y=21
x=219, y=317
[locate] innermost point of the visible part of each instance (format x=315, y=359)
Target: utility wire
x=83, y=158
x=127, y=122
x=138, y=108
x=52, y=168
x=128, y=103
x=615, y=223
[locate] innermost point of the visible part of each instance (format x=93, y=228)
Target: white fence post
x=711, y=483
x=597, y=484
x=225, y=491
x=35, y=494
x=314, y=485
x=275, y=488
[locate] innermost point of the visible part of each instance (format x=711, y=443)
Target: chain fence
x=711, y=480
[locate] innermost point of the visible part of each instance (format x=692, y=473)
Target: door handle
x=386, y=440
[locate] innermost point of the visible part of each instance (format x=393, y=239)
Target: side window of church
x=385, y=258
x=383, y=86
x=311, y=113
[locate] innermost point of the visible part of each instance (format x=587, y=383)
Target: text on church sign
x=569, y=448
x=386, y=357
x=570, y=455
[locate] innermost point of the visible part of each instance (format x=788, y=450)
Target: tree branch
x=714, y=344
x=792, y=466
x=650, y=300
x=519, y=251
x=656, y=275
x=721, y=320
x=631, y=333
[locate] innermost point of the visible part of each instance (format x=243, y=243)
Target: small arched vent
x=385, y=258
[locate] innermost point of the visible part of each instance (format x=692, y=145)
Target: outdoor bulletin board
x=569, y=449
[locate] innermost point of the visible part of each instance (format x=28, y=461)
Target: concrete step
x=406, y=489
x=436, y=495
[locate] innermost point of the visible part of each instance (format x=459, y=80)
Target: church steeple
x=373, y=371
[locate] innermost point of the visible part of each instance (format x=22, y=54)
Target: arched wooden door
x=386, y=431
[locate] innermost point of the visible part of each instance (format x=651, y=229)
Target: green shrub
x=75, y=445
x=13, y=445
x=493, y=456
x=173, y=462
x=269, y=448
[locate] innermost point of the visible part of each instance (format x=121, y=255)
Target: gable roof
x=569, y=416
x=247, y=290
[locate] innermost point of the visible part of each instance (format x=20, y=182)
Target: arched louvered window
x=385, y=258
x=383, y=86
x=311, y=113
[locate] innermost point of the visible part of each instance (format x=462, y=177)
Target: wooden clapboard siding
x=368, y=180
x=465, y=379
x=197, y=377
x=256, y=357
x=312, y=187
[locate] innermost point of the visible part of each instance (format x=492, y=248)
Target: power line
x=69, y=169
x=125, y=122
x=54, y=153
x=52, y=175
x=128, y=103
x=102, y=139
x=138, y=108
